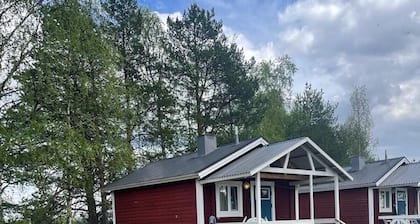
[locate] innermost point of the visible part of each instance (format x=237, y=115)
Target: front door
x=401, y=202
x=266, y=202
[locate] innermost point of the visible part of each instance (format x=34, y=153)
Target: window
x=418, y=201
x=229, y=199
x=385, y=200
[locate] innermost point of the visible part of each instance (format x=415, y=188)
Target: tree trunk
x=90, y=198
x=104, y=201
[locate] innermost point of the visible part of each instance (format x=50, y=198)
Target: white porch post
x=114, y=217
x=199, y=197
x=311, y=196
x=336, y=198
x=258, y=197
x=297, y=201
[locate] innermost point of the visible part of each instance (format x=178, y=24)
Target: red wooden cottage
x=385, y=191
x=226, y=182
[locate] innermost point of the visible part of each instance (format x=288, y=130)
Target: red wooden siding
x=166, y=203
x=285, y=199
x=412, y=200
x=353, y=205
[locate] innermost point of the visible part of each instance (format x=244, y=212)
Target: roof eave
x=387, y=174
x=151, y=182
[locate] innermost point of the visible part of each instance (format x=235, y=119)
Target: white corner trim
x=199, y=200
x=371, y=206
x=266, y=164
x=114, y=217
x=387, y=174
x=231, y=157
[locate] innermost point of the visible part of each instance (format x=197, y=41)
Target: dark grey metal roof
x=253, y=159
x=405, y=175
x=249, y=163
x=182, y=166
x=371, y=173
x=368, y=176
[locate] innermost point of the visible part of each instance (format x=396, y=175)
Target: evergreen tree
x=211, y=72
x=312, y=117
x=150, y=103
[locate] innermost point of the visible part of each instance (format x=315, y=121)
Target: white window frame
x=389, y=200
x=418, y=201
x=229, y=212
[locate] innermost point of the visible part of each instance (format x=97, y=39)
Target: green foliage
x=149, y=90
x=211, y=73
x=312, y=117
x=267, y=115
x=356, y=131
x=105, y=85
x=68, y=118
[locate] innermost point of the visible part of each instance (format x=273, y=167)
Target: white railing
x=400, y=219
x=301, y=221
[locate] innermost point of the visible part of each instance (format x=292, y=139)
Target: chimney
x=357, y=163
x=206, y=144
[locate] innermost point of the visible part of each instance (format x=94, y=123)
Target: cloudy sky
x=337, y=45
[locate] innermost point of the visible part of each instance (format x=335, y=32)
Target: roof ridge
x=383, y=160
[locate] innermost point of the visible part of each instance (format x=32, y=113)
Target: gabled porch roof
x=293, y=152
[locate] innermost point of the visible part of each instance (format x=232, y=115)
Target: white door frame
x=406, y=199
x=273, y=198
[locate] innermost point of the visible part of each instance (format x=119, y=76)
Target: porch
x=302, y=221
x=400, y=219
x=256, y=176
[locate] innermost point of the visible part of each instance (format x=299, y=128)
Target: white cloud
x=405, y=104
x=164, y=17
x=301, y=39
x=265, y=51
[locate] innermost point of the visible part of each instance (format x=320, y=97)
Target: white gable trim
x=329, y=158
x=383, y=178
x=231, y=157
x=275, y=158
x=293, y=147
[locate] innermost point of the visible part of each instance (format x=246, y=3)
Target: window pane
x=382, y=199
x=234, y=198
x=223, y=196
x=387, y=196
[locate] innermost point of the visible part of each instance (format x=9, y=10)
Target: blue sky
x=337, y=44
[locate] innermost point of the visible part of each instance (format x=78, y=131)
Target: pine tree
x=211, y=72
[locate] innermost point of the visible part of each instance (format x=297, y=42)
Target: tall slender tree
x=149, y=89
x=356, y=133
x=211, y=72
